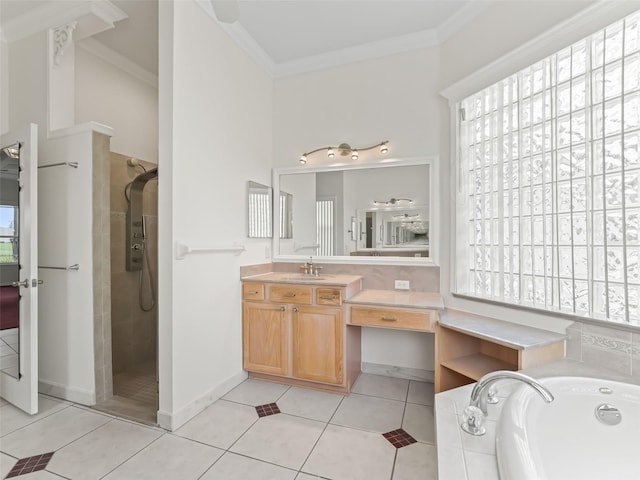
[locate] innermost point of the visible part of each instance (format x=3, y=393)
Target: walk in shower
x=134, y=276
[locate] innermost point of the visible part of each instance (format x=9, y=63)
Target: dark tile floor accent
x=267, y=409
x=399, y=438
x=30, y=464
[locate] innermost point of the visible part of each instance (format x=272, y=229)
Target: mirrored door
x=18, y=269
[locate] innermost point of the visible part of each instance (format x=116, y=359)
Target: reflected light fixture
x=345, y=149
x=391, y=202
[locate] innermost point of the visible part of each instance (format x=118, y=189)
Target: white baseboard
x=172, y=422
x=398, y=372
x=65, y=392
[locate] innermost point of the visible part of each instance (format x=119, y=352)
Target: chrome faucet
x=310, y=268
x=475, y=413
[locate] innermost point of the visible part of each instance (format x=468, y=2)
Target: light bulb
x=384, y=148
x=330, y=153
x=303, y=158
x=354, y=155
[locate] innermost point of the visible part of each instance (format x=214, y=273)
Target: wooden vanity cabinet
x=265, y=344
x=317, y=344
x=296, y=334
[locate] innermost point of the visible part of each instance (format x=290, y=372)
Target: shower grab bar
x=68, y=164
x=75, y=267
x=183, y=250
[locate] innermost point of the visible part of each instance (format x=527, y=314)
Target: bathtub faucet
x=475, y=413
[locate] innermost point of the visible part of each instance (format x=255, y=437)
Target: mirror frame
x=434, y=212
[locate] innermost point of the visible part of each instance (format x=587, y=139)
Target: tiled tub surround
x=315, y=435
x=603, y=345
x=464, y=457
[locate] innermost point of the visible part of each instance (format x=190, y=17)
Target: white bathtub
x=564, y=440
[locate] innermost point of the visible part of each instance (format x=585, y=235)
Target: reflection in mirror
x=9, y=258
x=259, y=215
x=260, y=207
x=378, y=211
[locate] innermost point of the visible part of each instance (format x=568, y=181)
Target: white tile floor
x=317, y=435
x=9, y=351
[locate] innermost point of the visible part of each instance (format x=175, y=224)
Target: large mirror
x=9, y=258
x=359, y=213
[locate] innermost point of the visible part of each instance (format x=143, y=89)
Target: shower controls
x=135, y=235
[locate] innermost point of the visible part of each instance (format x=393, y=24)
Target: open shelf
x=465, y=353
x=476, y=365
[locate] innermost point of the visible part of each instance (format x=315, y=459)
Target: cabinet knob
x=252, y=292
x=328, y=297
x=283, y=308
x=289, y=295
x=295, y=309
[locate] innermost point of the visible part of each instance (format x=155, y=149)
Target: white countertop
x=512, y=335
x=464, y=457
x=395, y=298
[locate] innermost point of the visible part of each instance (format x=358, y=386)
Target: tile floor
x=9, y=351
x=305, y=435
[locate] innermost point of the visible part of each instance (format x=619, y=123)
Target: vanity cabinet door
x=265, y=338
x=317, y=344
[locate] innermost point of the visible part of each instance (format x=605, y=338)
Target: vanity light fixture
x=391, y=202
x=406, y=216
x=345, y=149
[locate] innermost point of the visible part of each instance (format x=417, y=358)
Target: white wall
x=216, y=133
x=4, y=85
x=393, y=98
x=109, y=95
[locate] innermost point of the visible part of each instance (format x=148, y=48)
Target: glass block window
x=549, y=181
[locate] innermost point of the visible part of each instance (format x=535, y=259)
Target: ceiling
x=289, y=31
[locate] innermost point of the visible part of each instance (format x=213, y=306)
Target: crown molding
x=458, y=20
x=242, y=38
x=400, y=44
x=105, y=53
x=358, y=53
x=93, y=16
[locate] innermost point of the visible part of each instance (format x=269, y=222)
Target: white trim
x=242, y=39
x=81, y=128
x=72, y=394
x=173, y=421
x=458, y=20
x=54, y=14
x=359, y=53
x=562, y=35
x=381, y=48
x=100, y=50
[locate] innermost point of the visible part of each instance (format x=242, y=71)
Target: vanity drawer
x=328, y=296
x=301, y=295
x=253, y=291
x=393, y=318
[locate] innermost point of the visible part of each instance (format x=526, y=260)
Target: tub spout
x=477, y=409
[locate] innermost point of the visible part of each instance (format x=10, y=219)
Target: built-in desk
x=416, y=311
x=469, y=346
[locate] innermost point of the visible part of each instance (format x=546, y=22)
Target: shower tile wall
x=134, y=331
x=101, y=266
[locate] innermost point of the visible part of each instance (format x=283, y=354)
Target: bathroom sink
x=301, y=277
